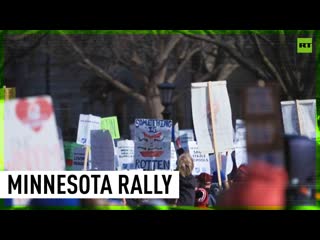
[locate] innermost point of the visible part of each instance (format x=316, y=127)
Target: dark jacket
x=187, y=191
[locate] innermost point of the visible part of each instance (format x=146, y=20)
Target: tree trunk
x=153, y=102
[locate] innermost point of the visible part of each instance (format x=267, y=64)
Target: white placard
x=201, y=114
x=240, y=134
x=125, y=150
x=299, y=117
x=307, y=117
x=86, y=124
x=241, y=156
x=31, y=138
x=200, y=159
x=290, y=118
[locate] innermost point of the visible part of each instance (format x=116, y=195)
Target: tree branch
x=168, y=48
x=101, y=73
x=173, y=76
x=241, y=60
x=270, y=66
x=288, y=71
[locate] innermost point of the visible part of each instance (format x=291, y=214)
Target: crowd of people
x=258, y=184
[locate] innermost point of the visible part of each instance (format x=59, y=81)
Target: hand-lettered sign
x=152, y=143
x=31, y=138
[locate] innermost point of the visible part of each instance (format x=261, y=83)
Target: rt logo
x=304, y=45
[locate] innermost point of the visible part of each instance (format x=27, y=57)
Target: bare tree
x=153, y=59
x=271, y=58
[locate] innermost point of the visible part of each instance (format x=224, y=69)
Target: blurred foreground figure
x=301, y=165
x=263, y=185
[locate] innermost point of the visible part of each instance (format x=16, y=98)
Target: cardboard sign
x=240, y=134
x=152, y=144
x=201, y=160
x=102, y=151
x=31, y=138
x=226, y=163
x=78, y=158
x=241, y=156
x=290, y=118
x=111, y=124
x=186, y=135
x=125, y=154
x=307, y=117
x=132, y=128
x=86, y=124
x=299, y=117
x=201, y=114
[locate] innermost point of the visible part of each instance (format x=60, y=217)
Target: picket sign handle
x=212, y=117
x=227, y=185
x=299, y=116
x=86, y=158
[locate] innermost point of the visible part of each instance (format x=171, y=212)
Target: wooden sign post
x=212, y=117
x=85, y=164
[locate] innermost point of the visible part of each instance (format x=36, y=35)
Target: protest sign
x=86, y=124
x=102, y=151
x=125, y=153
x=78, y=158
x=226, y=163
x=200, y=160
x=290, y=118
x=186, y=135
x=299, y=117
x=201, y=113
x=152, y=144
x=31, y=137
x=240, y=134
x=241, y=156
x=306, y=110
x=111, y=124
x=132, y=127
x=212, y=118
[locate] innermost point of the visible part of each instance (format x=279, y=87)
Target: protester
x=204, y=184
x=186, y=180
